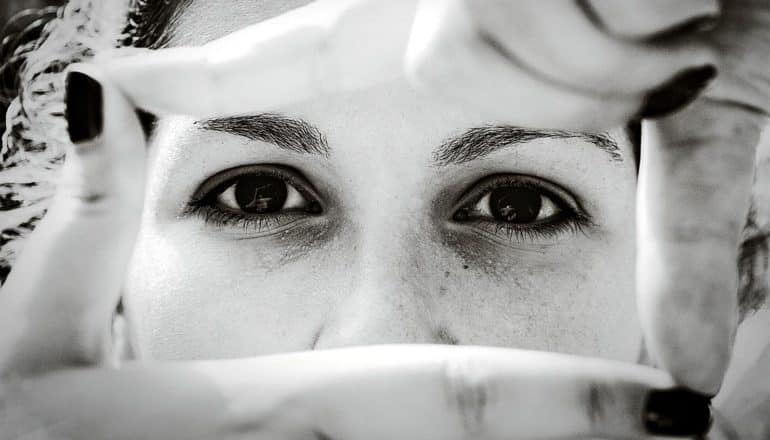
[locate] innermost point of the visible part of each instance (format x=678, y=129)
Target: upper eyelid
x=479, y=188
x=222, y=178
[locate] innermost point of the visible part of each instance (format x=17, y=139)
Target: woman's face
x=382, y=216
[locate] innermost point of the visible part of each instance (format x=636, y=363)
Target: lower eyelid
x=539, y=234
x=252, y=226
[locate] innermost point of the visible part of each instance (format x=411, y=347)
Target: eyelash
x=571, y=219
x=221, y=218
x=203, y=203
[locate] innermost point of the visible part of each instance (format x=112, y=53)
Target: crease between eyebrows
x=482, y=141
x=287, y=133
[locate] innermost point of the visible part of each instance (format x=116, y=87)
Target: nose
x=390, y=301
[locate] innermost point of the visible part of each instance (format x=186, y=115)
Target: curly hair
x=34, y=57
x=37, y=47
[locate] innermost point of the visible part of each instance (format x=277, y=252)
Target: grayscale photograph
x=384, y=219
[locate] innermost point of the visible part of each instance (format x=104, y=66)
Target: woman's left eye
x=524, y=207
x=517, y=205
x=257, y=194
x=260, y=197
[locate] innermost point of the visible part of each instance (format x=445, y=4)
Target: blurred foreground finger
x=447, y=57
x=558, y=42
x=324, y=47
x=57, y=303
x=695, y=184
x=540, y=79
x=419, y=392
x=648, y=18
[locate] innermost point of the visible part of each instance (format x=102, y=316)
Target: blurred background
x=10, y=7
x=21, y=22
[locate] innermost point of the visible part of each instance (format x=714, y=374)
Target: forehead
x=206, y=20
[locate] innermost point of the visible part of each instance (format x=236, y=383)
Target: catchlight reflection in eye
x=520, y=207
x=257, y=197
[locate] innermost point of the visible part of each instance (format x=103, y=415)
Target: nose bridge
x=386, y=303
x=389, y=232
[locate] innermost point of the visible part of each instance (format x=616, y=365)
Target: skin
x=687, y=303
x=228, y=396
x=384, y=263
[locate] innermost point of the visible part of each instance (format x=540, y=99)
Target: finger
x=740, y=39
x=695, y=184
x=646, y=18
x=56, y=304
x=446, y=57
x=557, y=41
x=367, y=392
x=293, y=57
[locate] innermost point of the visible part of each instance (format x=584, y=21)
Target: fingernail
x=695, y=25
x=678, y=92
x=84, y=107
x=677, y=412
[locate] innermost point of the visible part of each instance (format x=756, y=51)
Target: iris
x=257, y=194
x=515, y=204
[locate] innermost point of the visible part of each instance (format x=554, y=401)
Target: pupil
x=260, y=194
x=515, y=205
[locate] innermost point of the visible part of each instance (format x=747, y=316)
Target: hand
x=695, y=185
x=525, y=62
x=378, y=392
x=56, y=307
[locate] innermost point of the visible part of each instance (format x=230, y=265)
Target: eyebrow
x=290, y=134
x=479, y=142
x=300, y=136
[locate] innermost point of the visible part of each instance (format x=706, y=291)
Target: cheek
x=204, y=298
x=576, y=299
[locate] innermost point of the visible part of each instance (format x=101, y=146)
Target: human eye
x=520, y=207
x=261, y=198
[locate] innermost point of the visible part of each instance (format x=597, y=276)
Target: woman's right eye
x=257, y=196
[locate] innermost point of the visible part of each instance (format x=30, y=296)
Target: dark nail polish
x=677, y=412
x=678, y=92
x=693, y=26
x=84, y=107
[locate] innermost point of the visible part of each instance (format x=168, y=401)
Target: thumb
x=57, y=302
x=106, y=160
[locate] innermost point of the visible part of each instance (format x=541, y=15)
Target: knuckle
x=725, y=232
x=92, y=204
x=439, y=58
x=430, y=67
x=595, y=399
x=467, y=388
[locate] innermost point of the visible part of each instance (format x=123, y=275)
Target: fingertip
x=677, y=412
x=694, y=350
x=677, y=92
